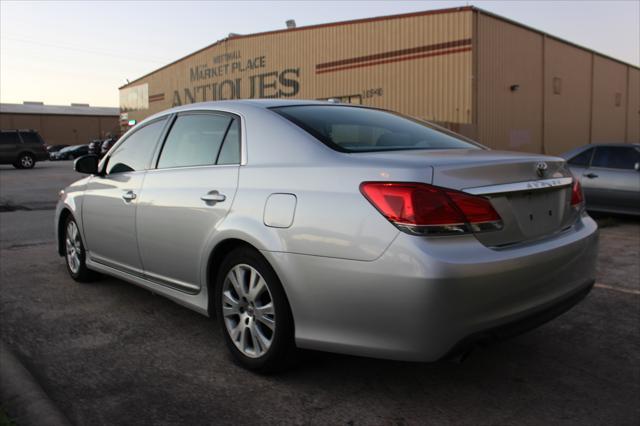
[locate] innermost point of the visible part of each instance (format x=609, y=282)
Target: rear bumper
x=521, y=325
x=424, y=296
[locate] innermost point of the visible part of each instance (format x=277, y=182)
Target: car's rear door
x=186, y=197
x=110, y=201
x=611, y=182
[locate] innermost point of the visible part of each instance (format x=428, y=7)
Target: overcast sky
x=63, y=52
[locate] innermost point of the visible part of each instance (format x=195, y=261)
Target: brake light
x=419, y=208
x=577, y=198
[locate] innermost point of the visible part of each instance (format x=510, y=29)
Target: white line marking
x=620, y=289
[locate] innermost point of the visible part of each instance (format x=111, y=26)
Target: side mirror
x=636, y=167
x=87, y=164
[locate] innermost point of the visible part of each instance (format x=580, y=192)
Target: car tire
x=26, y=160
x=75, y=254
x=254, y=313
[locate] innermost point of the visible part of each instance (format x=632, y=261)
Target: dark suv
x=22, y=148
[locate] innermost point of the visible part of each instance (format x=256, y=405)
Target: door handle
x=128, y=196
x=591, y=175
x=213, y=197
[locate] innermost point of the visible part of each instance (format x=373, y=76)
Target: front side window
x=9, y=138
x=616, y=157
x=194, y=140
x=136, y=151
x=354, y=129
x=583, y=159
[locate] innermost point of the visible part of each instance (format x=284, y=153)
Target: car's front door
x=110, y=201
x=611, y=182
x=186, y=197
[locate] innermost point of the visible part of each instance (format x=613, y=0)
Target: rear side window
x=616, y=157
x=136, y=151
x=583, y=159
x=9, y=138
x=194, y=140
x=30, y=138
x=230, y=152
x=353, y=129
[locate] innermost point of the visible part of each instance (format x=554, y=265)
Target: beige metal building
x=502, y=83
x=61, y=124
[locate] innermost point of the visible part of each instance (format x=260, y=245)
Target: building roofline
x=551, y=36
x=308, y=27
x=381, y=18
x=41, y=109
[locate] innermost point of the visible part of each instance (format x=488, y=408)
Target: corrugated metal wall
x=609, y=101
x=539, y=94
x=633, y=109
x=418, y=64
x=567, y=86
x=62, y=129
x=510, y=79
x=508, y=86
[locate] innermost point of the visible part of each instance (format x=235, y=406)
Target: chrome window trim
x=531, y=185
x=103, y=163
x=206, y=166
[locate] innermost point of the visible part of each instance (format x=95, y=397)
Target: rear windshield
x=355, y=129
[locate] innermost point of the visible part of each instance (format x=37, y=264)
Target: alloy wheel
x=248, y=310
x=26, y=161
x=73, y=247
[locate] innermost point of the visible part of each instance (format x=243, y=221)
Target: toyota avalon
x=303, y=224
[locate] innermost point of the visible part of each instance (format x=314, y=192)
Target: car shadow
x=613, y=219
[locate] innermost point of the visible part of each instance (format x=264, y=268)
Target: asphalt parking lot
x=112, y=353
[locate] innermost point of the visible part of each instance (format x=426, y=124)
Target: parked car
x=22, y=148
x=331, y=227
x=95, y=147
x=53, y=150
x=106, y=146
x=610, y=176
x=72, y=152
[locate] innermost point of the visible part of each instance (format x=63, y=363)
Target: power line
x=87, y=50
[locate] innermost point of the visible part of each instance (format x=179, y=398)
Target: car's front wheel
x=75, y=254
x=25, y=161
x=254, y=313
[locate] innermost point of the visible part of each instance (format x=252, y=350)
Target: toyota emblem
x=541, y=168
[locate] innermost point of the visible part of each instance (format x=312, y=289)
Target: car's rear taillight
x=419, y=208
x=576, y=194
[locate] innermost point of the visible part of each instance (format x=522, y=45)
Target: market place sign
x=230, y=69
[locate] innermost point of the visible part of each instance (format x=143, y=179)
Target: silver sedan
x=610, y=176
x=303, y=224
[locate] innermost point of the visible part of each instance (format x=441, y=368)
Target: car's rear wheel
x=75, y=254
x=254, y=313
x=25, y=160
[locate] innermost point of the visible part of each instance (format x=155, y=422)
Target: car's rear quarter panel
x=424, y=295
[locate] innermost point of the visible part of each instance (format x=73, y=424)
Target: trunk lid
x=530, y=192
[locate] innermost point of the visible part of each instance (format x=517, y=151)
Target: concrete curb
x=23, y=397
